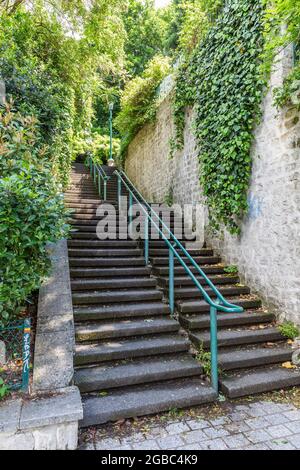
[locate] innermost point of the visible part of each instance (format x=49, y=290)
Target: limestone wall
x=268, y=251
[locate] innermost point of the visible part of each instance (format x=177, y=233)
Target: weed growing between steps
x=232, y=269
x=289, y=330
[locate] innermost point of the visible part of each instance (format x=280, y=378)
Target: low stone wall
x=48, y=419
x=41, y=423
x=267, y=252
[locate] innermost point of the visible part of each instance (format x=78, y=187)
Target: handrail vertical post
x=171, y=281
x=214, y=348
x=91, y=165
x=130, y=208
x=146, y=240
x=99, y=183
x=105, y=189
x=119, y=192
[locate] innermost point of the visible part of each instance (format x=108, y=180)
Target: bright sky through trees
x=161, y=3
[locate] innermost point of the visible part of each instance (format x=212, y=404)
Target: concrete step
x=126, y=328
x=92, y=219
x=182, y=281
x=92, y=229
x=105, y=297
x=134, y=372
x=97, y=253
x=82, y=193
x=120, y=311
x=129, y=348
x=92, y=235
x=110, y=272
x=73, y=201
x=198, y=259
x=238, y=337
x=87, y=206
x=103, y=262
x=144, y=400
x=200, y=322
x=119, y=283
x=198, y=306
x=208, y=268
x=81, y=216
x=193, y=292
x=251, y=382
x=109, y=244
x=255, y=357
x=164, y=252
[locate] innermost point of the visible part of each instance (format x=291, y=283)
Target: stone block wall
x=268, y=251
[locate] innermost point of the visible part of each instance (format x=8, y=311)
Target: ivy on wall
x=224, y=81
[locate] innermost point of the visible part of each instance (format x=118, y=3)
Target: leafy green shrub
x=223, y=78
x=4, y=389
x=289, y=330
x=198, y=15
x=96, y=144
x=32, y=211
x=139, y=100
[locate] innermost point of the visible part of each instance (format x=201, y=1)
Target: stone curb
x=48, y=420
x=55, y=338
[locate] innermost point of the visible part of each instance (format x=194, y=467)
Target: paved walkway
x=261, y=425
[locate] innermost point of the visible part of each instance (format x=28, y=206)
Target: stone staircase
x=251, y=347
x=131, y=357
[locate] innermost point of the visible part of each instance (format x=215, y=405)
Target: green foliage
x=224, y=76
x=289, y=93
x=198, y=16
x=204, y=357
x=139, y=100
x=98, y=145
x=146, y=29
x=176, y=17
x=32, y=211
x=56, y=58
x=232, y=269
x=4, y=389
x=289, y=330
x=279, y=13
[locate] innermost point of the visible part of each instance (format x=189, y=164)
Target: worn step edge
x=198, y=306
x=226, y=319
x=238, y=337
x=145, y=400
x=255, y=357
x=129, y=348
x=259, y=381
x=117, y=311
x=122, y=329
x=109, y=272
x=113, y=296
x=145, y=370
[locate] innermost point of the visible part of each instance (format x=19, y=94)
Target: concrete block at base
x=58, y=409
x=42, y=423
x=10, y=416
x=61, y=437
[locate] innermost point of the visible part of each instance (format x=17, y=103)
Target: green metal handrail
x=220, y=304
x=226, y=305
x=214, y=305
x=98, y=174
